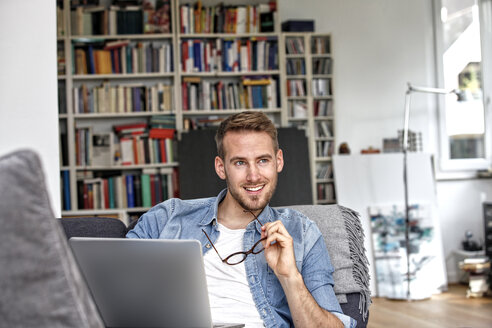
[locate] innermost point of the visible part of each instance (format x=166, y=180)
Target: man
x=289, y=283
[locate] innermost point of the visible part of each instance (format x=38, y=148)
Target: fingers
x=276, y=232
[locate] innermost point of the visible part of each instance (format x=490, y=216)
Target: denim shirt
x=185, y=219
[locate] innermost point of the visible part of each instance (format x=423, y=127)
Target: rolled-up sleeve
x=317, y=272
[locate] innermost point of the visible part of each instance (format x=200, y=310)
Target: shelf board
x=62, y=77
x=322, y=76
x=117, y=115
x=297, y=97
x=323, y=159
x=125, y=167
x=298, y=119
x=323, y=118
x=88, y=38
x=64, y=168
x=120, y=76
x=62, y=116
x=225, y=111
x=295, y=55
x=295, y=76
x=220, y=74
x=322, y=97
x=324, y=138
x=227, y=35
x=330, y=180
x=321, y=56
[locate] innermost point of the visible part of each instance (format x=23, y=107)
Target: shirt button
x=214, y=223
x=207, y=246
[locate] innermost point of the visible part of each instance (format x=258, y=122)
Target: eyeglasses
x=239, y=257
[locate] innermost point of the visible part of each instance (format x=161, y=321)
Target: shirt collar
x=265, y=216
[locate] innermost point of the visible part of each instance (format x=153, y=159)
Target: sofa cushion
x=39, y=281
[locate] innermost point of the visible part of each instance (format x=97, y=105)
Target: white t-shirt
x=230, y=297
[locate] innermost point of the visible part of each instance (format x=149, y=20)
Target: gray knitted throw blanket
x=344, y=238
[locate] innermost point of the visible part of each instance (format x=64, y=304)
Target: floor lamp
x=412, y=89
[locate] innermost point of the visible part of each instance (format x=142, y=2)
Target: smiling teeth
x=254, y=189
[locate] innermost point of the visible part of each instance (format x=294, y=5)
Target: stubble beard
x=254, y=203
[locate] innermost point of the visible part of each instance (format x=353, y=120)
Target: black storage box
x=298, y=26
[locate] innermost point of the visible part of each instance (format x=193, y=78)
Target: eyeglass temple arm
x=206, y=235
x=256, y=218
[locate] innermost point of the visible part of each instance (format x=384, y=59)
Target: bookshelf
x=123, y=72
x=226, y=67
x=116, y=75
x=308, y=80
x=184, y=68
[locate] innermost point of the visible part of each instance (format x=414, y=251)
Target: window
x=463, y=51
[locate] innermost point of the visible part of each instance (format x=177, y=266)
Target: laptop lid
x=145, y=282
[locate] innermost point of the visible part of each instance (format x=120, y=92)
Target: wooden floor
x=449, y=309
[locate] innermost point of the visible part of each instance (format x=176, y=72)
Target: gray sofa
x=42, y=286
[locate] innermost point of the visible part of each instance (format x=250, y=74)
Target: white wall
x=28, y=84
x=379, y=46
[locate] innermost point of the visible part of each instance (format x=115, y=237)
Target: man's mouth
x=254, y=188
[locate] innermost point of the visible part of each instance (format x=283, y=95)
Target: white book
x=120, y=99
x=184, y=16
x=168, y=60
x=126, y=150
x=241, y=20
x=206, y=95
x=193, y=95
x=123, y=59
x=273, y=84
x=260, y=55
x=244, y=58
x=76, y=108
x=162, y=59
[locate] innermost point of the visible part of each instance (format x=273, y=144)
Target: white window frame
x=447, y=164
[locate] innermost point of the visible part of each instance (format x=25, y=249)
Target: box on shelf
x=298, y=26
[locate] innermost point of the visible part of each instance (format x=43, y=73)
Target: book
x=103, y=149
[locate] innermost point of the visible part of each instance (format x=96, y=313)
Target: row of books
x=240, y=55
x=321, y=65
x=299, y=108
x=324, y=148
x=123, y=98
x=325, y=191
x=296, y=88
x=294, y=46
x=323, y=129
x=112, y=20
x=323, y=107
x=227, y=19
x=147, y=189
x=249, y=94
x=128, y=147
x=321, y=87
x=324, y=170
x=320, y=45
x=123, y=57
x=295, y=66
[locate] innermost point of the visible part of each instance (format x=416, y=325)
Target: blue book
x=129, y=60
x=130, y=191
x=197, y=55
x=90, y=59
x=66, y=191
x=111, y=192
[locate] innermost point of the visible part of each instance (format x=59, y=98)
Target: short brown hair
x=245, y=121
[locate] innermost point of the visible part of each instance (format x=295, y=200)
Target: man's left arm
x=280, y=256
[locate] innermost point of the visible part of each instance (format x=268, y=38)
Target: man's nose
x=253, y=173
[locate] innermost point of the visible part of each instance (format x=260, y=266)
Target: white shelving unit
x=307, y=61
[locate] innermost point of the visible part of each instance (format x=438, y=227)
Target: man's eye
x=263, y=161
x=239, y=163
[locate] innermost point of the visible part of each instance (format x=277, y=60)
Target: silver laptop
x=146, y=282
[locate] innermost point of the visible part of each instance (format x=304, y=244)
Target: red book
x=162, y=146
x=106, y=193
x=135, y=151
x=161, y=133
x=116, y=55
x=118, y=128
x=184, y=54
x=184, y=91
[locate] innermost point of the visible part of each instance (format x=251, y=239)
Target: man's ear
x=219, y=167
x=280, y=160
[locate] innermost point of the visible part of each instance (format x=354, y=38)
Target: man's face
x=250, y=168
